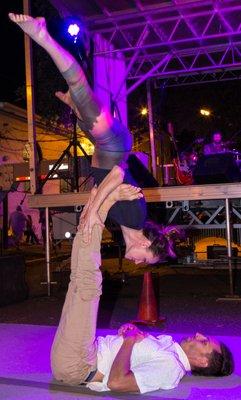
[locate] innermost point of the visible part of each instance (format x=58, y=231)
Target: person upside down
x=146, y=241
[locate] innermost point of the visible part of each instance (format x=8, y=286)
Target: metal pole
x=75, y=153
x=5, y=222
x=47, y=251
x=151, y=130
x=231, y=296
x=229, y=246
x=33, y=167
x=47, y=254
x=144, y=77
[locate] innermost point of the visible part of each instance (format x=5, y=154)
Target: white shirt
x=156, y=362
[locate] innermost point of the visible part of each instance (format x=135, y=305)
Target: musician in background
x=216, y=146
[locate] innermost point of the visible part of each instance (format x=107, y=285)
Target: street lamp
x=144, y=111
x=205, y=112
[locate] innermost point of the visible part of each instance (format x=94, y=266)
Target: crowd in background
x=21, y=228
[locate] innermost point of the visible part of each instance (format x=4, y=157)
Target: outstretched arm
x=111, y=189
x=109, y=184
x=90, y=215
x=123, y=192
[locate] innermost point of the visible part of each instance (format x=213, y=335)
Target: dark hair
x=220, y=364
x=162, y=239
x=217, y=132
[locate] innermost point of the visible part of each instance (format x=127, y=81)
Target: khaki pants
x=74, y=350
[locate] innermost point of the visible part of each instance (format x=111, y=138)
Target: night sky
x=12, y=72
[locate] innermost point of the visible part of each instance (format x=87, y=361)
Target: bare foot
x=34, y=27
x=126, y=192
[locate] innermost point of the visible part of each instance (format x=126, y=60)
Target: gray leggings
x=112, y=145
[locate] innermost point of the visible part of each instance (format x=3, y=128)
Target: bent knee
x=69, y=373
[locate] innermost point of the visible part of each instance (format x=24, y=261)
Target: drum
x=237, y=158
x=191, y=159
x=237, y=155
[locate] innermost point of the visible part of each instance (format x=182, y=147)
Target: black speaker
x=13, y=287
x=140, y=173
x=216, y=168
x=214, y=252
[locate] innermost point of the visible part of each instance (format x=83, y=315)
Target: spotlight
x=74, y=27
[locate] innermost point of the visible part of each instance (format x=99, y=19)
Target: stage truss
x=164, y=40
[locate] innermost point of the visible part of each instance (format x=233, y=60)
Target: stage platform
x=25, y=371
x=152, y=195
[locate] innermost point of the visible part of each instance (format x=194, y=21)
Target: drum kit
x=187, y=162
x=191, y=157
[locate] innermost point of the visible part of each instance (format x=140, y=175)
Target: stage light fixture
x=67, y=235
x=74, y=27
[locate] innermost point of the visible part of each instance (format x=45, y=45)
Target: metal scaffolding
x=166, y=39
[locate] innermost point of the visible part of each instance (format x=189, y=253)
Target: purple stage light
x=73, y=29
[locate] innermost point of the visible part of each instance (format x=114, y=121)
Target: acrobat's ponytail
x=163, y=239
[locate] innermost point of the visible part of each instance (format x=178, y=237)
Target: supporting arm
x=107, y=186
x=121, y=378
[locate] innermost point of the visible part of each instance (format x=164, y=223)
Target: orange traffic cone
x=148, y=314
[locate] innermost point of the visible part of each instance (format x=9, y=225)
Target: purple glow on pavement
x=25, y=369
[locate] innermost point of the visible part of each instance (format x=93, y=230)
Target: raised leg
x=73, y=354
